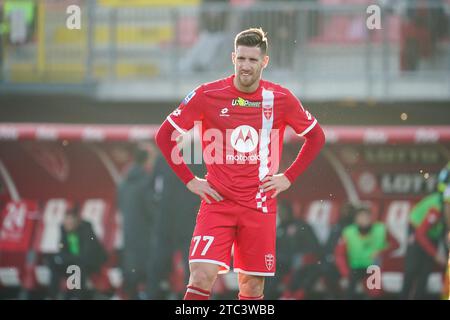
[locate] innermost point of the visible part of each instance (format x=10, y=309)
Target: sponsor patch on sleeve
x=189, y=97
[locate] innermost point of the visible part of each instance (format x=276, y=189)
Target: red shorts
x=220, y=225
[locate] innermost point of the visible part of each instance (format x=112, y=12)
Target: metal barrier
x=323, y=51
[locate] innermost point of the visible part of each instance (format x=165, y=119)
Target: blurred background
x=81, y=182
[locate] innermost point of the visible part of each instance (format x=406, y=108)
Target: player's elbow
x=163, y=135
x=321, y=136
x=316, y=136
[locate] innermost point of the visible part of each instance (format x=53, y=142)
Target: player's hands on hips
x=202, y=188
x=277, y=182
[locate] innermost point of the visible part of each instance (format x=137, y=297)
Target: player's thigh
x=214, y=234
x=255, y=244
x=204, y=270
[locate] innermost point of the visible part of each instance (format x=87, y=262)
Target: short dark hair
x=73, y=210
x=362, y=208
x=253, y=37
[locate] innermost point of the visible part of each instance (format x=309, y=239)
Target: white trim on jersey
x=175, y=125
x=252, y=273
x=210, y=90
x=308, y=129
x=266, y=128
x=220, y=263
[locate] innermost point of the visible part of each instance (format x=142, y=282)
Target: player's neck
x=243, y=89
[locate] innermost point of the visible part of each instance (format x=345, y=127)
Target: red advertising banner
x=16, y=225
x=391, y=168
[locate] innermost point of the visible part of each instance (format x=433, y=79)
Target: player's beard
x=247, y=81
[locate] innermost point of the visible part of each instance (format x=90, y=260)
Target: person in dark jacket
x=298, y=252
x=135, y=201
x=177, y=209
x=427, y=230
x=328, y=266
x=80, y=248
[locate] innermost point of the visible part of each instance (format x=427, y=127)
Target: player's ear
x=233, y=57
x=265, y=61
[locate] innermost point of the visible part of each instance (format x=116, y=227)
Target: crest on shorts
x=269, y=259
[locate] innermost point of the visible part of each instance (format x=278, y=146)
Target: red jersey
x=242, y=133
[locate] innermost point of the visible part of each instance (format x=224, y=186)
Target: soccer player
x=429, y=225
x=242, y=119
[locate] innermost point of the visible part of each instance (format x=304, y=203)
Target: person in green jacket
x=362, y=244
x=428, y=229
x=29, y=10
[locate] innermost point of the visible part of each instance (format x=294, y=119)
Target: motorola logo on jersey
x=244, y=139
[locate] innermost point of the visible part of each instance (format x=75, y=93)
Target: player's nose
x=246, y=68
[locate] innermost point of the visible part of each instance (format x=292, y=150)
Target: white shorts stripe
x=253, y=273
x=211, y=261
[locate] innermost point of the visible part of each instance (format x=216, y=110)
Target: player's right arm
x=182, y=120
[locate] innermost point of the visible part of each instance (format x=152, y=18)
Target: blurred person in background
x=19, y=20
x=239, y=193
x=211, y=39
x=176, y=209
x=362, y=244
x=425, y=24
x=429, y=223
x=328, y=265
x=446, y=288
x=135, y=201
x=78, y=246
x=298, y=251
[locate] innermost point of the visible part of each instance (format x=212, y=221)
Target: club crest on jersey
x=189, y=97
x=267, y=110
x=269, y=259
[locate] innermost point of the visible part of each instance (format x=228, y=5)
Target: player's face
x=363, y=220
x=70, y=223
x=248, y=65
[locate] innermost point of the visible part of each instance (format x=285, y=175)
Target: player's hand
x=202, y=188
x=440, y=260
x=277, y=182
